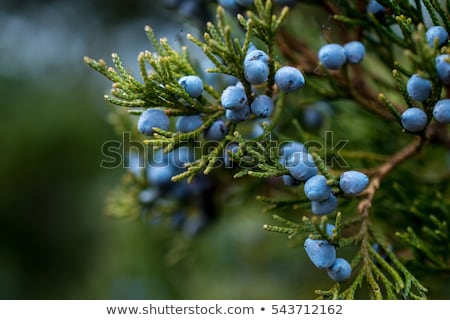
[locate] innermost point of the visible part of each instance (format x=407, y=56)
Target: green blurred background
x=55, y=241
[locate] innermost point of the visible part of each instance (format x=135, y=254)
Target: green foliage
x=370, y=97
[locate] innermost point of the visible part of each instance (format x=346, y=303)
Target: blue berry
x=148, y=195
x=163, y=166
x=161, y=175
x=439, y=33
x=231, y=148
x=418, y=88
x=257, y=129
x=354, y=51
x=251, y=47
x=152, y=118
x=262, y=106
x=290, y=147
x=193, y=85
x=353, y=182
x=239, y=84
x=443, y=68
x=324, y=207
x=332, y=56
x=289, y=181
x=340, y=271
x=316, y=188
x=312, y=118
x=159, y=158
x=441, y=111
x=188, y=123
x=321, y=252
x=256, y=72
x=414, y=119
x=329, y=228
x=301, y=166
x=233, y=98
x=375, y=8
x=238, y=115
x=180, y=156
x=254, y=54
x=289, y=79
x=216, y=132
x=135, y=164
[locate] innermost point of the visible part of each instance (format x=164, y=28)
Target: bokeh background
x=55, y=241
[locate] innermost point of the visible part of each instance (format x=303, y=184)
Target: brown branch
x=439, y=134
x=300, y=54
x=330, y=8
x=362, y=5
x=297, y=51
x=365, y=96
x=407, y=152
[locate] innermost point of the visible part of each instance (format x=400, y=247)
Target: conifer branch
x=368, y=195
x=377, y=268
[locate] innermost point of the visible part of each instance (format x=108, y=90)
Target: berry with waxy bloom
x=152, y=118
x=414, y=119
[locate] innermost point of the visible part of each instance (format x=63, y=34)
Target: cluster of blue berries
x=302, y=168
x=156, y=118
x=256, y=71
x=234, y=98
x=375, y=8
x=152, y=118
x=441, y=111
x=415, y=119
x=159, y=190
x=160, y=169
x=323, y=256
x=334, y=56
x=436, y=35
x=419, y=89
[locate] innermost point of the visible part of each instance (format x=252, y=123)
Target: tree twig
x=438, y=133
x=300, y=54
x=407, y=152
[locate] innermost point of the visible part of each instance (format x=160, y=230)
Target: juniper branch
x=368, y=195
